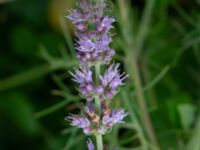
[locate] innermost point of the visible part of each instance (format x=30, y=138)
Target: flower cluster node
x=110, y=82
x=91, y=123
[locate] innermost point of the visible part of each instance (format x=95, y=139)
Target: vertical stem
x=97, y=101
x=150, y=94
x=144, y=25
x=141, y=37
x=97, y=71
x=67, y=36
x=134, y=55
x=99, y=141
x=97, y=104
x=135, y=121
x=142, y=103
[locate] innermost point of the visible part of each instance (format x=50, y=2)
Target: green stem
x=24, y=77
x=99, y=141
x=52, y=109
x=144, y=25
x=97, y=73
x=141, y=37
x=135, y=121
x=33, y=74
x=97, y=103
x=67, y=36
x=133, y=57
x=142, y=103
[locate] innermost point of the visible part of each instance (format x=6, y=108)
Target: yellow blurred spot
x=57, y=9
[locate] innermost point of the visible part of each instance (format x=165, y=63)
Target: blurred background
x=158, y=43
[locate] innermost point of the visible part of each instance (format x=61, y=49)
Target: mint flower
x=92, y=30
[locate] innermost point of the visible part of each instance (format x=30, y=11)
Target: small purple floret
x=83, y=76
x=90, y=145
x=100, y=90
x=111, y=80
x=80, y=122
x=116, y=116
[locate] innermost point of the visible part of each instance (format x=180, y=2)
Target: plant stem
x=141, y=37
x=24, y=77
x=97, y=104
x=135, y=120
x=144, y=25
x=142, y=103
x=33, y=74
x=134, y=55
x=67, y=36
x=99, y=141
x=97, y=73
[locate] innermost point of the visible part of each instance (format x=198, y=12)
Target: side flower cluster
x=83, y=76
x=106, y=89
x=110, y=82
x=92, y=29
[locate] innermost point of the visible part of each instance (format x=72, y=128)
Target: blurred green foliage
x=36, y=92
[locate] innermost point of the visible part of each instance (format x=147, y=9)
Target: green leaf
x=24, y=42
x=194, y=143
x=186, y=113
x=16, y=107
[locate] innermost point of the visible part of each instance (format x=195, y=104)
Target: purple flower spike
x=116, y=116
x=90, y=145
x=92, y=30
